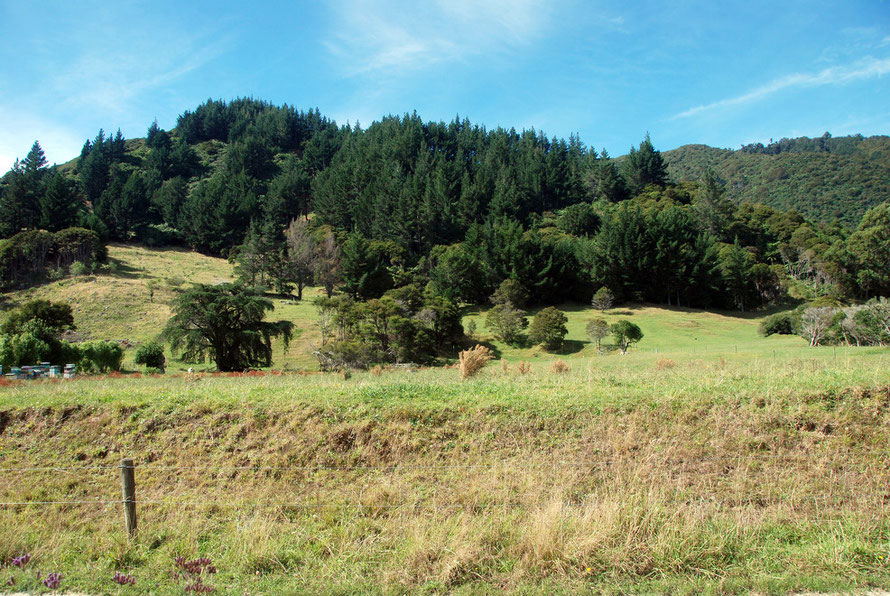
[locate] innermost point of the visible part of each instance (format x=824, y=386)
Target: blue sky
x=719, y=73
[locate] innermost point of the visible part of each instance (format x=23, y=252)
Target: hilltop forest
x=452, y=210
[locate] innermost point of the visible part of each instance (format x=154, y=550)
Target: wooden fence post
x=128, y=485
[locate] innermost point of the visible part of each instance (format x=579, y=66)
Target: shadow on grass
x=117, y=268
x=571, y=346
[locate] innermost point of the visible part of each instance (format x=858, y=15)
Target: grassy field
x=707, y=460
x=116, y=304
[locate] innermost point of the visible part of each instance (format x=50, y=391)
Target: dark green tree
x=363, y=268
x=714, y=211
x=644, y=166
x=225, y=323
x=548, y=328
x=60, y=205
x=871, y=246
x=604, y=180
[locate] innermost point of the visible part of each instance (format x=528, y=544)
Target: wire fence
x=491, y=500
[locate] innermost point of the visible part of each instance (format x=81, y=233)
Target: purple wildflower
x=124, y=579
x=53, y=581
x=22, y=560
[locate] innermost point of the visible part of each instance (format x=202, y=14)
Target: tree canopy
x=225, y=323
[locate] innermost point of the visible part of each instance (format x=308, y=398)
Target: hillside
x=838, y=180
x=116, y=304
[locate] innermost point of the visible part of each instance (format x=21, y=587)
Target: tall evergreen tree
x=60, y=205
x=644, y=166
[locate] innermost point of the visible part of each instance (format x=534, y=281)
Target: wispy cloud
x=393, y=36
x=112, y=80
x=836, y=75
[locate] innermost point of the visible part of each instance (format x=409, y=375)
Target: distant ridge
x=823, y=178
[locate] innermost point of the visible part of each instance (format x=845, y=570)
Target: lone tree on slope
x=225, y=323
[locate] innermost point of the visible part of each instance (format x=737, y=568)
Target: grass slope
x=116, y=305
x=626, y=475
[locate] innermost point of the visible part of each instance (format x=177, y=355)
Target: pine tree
x=60, y=205
x=644, y=166
x=713, y=209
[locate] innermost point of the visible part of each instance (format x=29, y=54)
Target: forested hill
x=822, y=178
x=460, y=210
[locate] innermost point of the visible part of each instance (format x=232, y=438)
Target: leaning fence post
x=128, y=485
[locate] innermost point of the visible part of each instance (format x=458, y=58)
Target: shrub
x=151, y=355
x=510, y=291
x=548, y=328
x=102, y=356
x=474, y=360
x=506, y=322
x=77, y=269
x=559, y=367
x=665, y=363
x=779, y=323
x=603, y=299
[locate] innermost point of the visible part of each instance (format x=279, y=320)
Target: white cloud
x=836, y=75
x=392, y=36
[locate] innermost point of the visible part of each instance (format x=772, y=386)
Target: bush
x=506, y=322
x=603, y=299
x=151, y=355
x=510, y=291
x=548, y=328
x=559, y=367
x=472, y=361
x=77, y=269
x=102, y=356
x=779, y=323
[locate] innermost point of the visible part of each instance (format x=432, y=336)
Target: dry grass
x=523, y=368
x=665, y=364
x=470, y=362
x=327, y=497
x=559, y=367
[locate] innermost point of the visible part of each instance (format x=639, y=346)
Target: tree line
x=294, y=199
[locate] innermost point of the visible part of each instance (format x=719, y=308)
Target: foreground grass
x=719, y=473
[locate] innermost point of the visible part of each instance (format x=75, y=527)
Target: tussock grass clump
x=472, y=361
x=523, y=368
x=559, y=367
x=665, y=364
